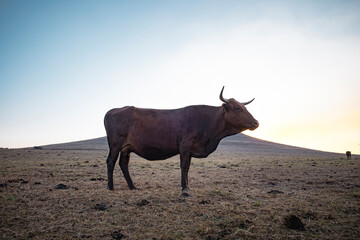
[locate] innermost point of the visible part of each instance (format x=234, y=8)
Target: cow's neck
x=219, y=129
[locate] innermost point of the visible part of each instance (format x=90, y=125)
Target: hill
x=237, y=144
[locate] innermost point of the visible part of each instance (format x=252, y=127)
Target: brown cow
x=193, y=131
x=348, y=154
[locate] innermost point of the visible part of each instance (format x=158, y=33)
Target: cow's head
x=237, y=115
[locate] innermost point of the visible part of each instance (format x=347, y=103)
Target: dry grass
x=233, y=197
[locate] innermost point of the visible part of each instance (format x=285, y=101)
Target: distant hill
x=90, y=144
x=237, y=144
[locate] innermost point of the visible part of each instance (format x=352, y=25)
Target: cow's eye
x=238, y=109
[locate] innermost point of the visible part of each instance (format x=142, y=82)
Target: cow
x=192, y=131
x=348, y=154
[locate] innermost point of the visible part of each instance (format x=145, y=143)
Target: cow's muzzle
x=256, y=125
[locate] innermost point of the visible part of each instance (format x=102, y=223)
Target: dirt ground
x=233, y=196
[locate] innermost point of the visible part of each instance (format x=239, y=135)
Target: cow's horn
x=221, y=96
x=246, y=103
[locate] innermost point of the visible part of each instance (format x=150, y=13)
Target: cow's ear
x=225, y=107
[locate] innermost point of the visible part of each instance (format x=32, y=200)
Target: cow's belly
x=154, y=149
x=155, y=153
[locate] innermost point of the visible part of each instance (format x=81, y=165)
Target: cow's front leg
x=185, y=160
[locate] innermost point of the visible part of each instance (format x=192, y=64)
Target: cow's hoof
x=185, y=194
x=185, y=190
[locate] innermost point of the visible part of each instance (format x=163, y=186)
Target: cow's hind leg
x=110, y=161
x=185, y=160
x=124, y=165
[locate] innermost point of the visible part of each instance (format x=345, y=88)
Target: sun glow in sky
x=63, y=64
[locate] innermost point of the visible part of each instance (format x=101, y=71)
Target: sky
x=64, y=64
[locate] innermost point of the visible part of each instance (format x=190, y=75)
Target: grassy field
x=233, y=196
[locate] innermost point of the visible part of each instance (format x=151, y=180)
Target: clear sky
x=63, y=64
